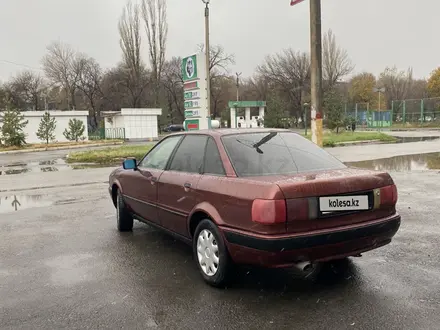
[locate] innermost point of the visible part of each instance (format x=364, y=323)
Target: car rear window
x=276, y=153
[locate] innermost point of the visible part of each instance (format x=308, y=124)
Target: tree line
x=74, y=80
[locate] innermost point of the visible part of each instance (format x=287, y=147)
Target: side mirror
x=129, y=164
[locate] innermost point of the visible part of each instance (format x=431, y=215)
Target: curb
x=60, y=148
x=357, y=143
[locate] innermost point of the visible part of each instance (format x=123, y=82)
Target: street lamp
x=379, y=90
x=208, y=73
x=238, y=74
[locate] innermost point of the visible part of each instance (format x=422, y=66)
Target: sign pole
x=208, y=75
x=316, y=70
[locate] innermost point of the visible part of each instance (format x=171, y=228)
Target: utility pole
x=316, y=70
x=238, y=74
x=208, y=73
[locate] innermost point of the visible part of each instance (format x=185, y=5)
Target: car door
x=141, y=190
x=177, y=188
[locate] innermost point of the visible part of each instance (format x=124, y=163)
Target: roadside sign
x=192, y=113
x=192, y=95
x=189, y=68
x=192, y=104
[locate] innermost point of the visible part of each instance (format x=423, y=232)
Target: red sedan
x=255, y=196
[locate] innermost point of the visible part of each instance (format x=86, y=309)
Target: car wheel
x=211, y=254
x=123, y=217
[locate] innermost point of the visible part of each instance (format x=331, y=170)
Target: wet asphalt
x=63, y=265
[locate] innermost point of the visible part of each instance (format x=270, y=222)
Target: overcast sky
x=376, y=33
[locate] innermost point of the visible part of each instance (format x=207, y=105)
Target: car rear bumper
x=326, y=245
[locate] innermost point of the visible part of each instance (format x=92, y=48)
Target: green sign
x=246, y=104
x=192, y=125
x=191, y=95
x=191, y=104
x=192, y=113
x=189, y=68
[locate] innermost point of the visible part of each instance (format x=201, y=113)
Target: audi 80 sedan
x=260, y=197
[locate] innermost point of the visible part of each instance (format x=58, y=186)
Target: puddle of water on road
x=416, y=139
x=419, y=162
x=53, y=165
x=15, y=203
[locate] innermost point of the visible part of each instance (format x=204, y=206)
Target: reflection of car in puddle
x=14, y=203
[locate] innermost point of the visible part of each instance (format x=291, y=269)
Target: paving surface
x=63, y=265
x=375, y=151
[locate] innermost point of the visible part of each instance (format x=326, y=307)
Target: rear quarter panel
x=229, y=200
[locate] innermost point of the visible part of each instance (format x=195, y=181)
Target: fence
x=417, y=111
x=371, y=118
x=108, y=134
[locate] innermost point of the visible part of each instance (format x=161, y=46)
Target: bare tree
x=89, y=83
x=336, y=63
x=219, y=60
x=27, y=86
x=288, y=71
x=172, y=81
x=154, y=13
x=256, y=88
x=397, y=83
x=60, y=67
x=132, y=71
x=222, y=91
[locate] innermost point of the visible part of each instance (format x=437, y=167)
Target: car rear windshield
x=276, y=153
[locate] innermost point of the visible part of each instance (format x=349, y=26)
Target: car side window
x=213, y=161
x=159, y=156
x=190, y=154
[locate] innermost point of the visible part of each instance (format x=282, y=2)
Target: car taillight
x=302, y=209
x=269, y=212
x=388, y=195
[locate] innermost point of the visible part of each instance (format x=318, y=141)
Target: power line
x=22, y=65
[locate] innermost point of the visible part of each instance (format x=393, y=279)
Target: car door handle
x=153, y=180
x=187, y=185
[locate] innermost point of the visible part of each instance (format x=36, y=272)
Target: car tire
x=123, y=217
x=211, y=254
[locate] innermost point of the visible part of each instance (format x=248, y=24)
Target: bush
x=12, y=128
x=46, y=130
x=336, y=118
x=75, y=131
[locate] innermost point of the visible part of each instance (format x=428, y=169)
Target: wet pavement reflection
x=418, y=162
x=53, y=165
x=20, y=202
x=408, y=139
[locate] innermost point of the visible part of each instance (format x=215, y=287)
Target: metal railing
x=108, y=134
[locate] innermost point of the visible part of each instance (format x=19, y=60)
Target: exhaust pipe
x=304, y=266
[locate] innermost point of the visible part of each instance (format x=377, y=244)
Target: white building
x=62, y=122
x=138, y=123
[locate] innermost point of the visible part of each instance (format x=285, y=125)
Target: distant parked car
x=256, y=196
x=174, y=128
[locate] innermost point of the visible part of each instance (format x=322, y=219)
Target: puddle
x=430, y=161
x=53, y=165
x=15, y=203
x=416, y=139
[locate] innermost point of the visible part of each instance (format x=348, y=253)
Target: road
x=63, y=265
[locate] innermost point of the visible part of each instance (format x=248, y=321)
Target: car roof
x=233, y=131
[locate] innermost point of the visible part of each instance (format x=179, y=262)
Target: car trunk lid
x=329, y=199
